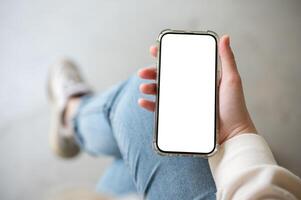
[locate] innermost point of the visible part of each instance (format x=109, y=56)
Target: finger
x=148, y=73
x=153, y=50
x=148, y=105
x=150, y=88
x=227, y=56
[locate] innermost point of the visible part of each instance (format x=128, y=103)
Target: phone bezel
x=217, y=79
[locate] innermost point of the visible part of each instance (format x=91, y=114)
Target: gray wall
x=110, y=40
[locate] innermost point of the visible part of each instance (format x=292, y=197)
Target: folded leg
x=155, y=176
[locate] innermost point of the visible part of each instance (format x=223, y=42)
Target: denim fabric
x=113, y=124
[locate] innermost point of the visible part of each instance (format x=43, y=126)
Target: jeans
x=112, y=123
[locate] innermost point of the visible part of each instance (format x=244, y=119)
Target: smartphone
x=186, y=116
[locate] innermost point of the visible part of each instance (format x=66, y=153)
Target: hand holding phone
x=233, y=115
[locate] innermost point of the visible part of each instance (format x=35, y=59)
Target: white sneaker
x=64, y=82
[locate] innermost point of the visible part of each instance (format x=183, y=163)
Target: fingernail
x=228, y=40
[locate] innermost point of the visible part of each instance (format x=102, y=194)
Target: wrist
x=242, y=129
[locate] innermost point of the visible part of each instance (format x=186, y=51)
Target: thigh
x=155, y=176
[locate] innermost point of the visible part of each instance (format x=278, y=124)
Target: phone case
x=218, y=77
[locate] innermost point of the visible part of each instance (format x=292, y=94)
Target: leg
x=72, y=101
x=156, y=177
x=94, y=135
x=117, y=112
x=91, y=124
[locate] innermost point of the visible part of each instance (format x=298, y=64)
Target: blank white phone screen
x=187, y=84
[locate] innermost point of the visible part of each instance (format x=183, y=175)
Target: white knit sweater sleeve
x=244, y=168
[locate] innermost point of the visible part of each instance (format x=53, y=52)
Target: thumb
x=227, y=56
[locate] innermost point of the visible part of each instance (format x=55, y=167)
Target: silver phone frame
x=218, y=77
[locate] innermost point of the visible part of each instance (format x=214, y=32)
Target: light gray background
x=110, y=40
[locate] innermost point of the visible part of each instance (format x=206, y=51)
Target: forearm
x=244, y=168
